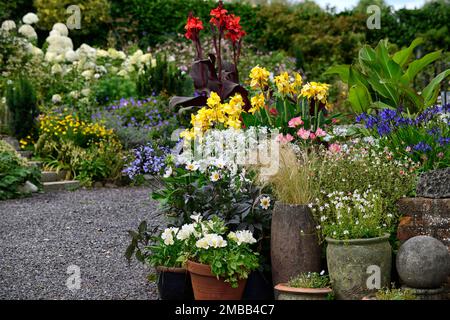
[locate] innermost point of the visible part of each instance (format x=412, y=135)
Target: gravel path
x=41, y=236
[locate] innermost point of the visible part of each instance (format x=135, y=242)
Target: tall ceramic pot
x=358, y=267
x=294, y=244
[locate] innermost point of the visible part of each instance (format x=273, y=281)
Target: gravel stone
x=41, y=236
x=434, y=184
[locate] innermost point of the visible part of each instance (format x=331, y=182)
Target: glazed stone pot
x=359, y=267
x=294, y=246
x=174, y=284
x=206, y=286
x=284, y=292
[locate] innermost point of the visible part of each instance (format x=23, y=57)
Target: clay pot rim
x=359, y=241
x=199, y=268
x=285, y=288
x=171, y=269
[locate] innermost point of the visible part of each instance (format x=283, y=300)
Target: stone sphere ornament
x=423, y=262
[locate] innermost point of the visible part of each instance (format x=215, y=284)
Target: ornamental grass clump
x=292, y=184
x=312, y=280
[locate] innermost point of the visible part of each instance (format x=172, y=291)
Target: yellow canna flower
x=283, y=83
x=257, y=102
x=259, y=77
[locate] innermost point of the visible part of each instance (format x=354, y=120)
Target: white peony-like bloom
x=8, y=25
x=244, y=236
x=30, y=18
x=61, y=28
x=28, y=31
x=211, y=241
x=74, y=94
x=56, y=98
x=168, y=235
x=186, y=231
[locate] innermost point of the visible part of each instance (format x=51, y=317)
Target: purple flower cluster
x=422, y=147
x=147, y=160
x=131, y=113
x=388, y=120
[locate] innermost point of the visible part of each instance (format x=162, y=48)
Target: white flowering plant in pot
x=357, y=215
x=229, y=254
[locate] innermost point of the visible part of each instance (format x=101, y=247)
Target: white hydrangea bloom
x=61, y=28
x=28, y=31
x=87, y=74
x=56, y=68
x=8, y=25
x=102, y=53
x=56, y=98
x=30, y=18
x=71, y=56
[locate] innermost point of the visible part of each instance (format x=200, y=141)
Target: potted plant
x=219, y=262
x=294, y=243
x=359, y=255
x=392, y=294
x=163, y=252
x=306, y=286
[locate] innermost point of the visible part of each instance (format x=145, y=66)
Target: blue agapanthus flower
x=422, y=147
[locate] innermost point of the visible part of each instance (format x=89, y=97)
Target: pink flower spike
x=335, y=148
x=320, y=133
x=304, y=134
x=295, y=122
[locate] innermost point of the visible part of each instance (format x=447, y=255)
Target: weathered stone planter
x=284, y=292
x=294, y=244
x=357, y=266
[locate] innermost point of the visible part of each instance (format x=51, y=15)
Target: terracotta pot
x=206, y=286
x=174, y=284
x=294, y=246
x=284, y=292
x=355, y=264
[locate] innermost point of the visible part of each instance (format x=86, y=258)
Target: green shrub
x=113, y=88
x=164, y=77
x=14, y=172
x=21, y=100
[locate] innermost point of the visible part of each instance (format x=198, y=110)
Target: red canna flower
x=273, y=111
x=219, y=16
x=193, y=27
x=234, y=28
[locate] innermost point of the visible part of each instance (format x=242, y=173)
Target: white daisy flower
x=264, y=202
x=215, y=176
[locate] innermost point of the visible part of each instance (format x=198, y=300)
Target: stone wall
x=424, y=216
